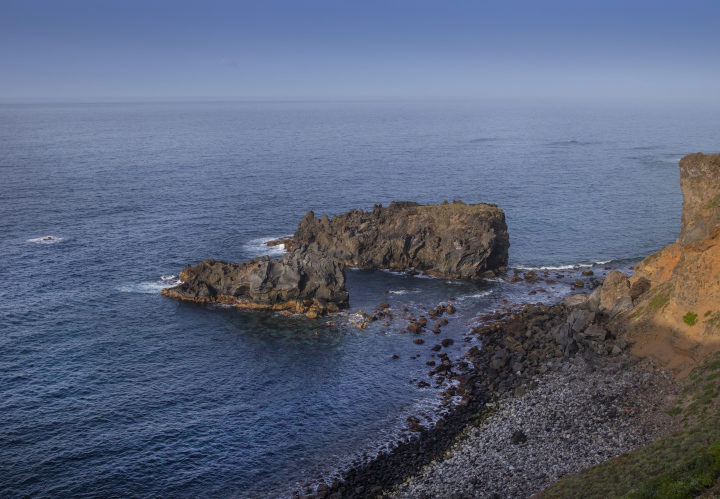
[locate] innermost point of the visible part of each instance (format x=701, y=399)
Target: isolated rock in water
x=454, y=240
x=304, y=280
x=531, y=276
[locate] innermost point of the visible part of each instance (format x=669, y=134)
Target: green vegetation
x=638, y=313
x=674, y=411
x=715, y=320
x=690, y=319
x=713, y=203
x=708, y=313
x=660, y=298
x=678, y=466
x=699, y=394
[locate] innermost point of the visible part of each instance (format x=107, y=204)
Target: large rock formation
x=678, y=320
x=304, y=280
x=454, y=240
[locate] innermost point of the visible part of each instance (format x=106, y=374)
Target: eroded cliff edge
x=678, y=320
x=451, y=239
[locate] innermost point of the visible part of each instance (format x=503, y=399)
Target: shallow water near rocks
x=110, y=389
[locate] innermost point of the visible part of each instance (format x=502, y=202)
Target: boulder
x=454, y=240
x=596, y=333
x=615, y=286
x=593, y=302
x=579, y=319
x=575, y=301
x=640, y=287
x=531, y=276
x=562, y=334
x=622, y=304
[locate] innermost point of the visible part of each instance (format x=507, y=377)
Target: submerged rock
x=454, y=240
x=304, y=280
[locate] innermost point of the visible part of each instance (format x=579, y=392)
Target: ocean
x=110, y=390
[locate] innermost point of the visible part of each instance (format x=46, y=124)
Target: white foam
x=407, y=273
x=555, y=267
x=404, y=291
x=259, y=247
x=482, y=294
x=151, y=287
x=45, y=240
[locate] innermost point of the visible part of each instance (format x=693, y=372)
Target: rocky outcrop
x=304, y=280
x=611, y=298
x=451, y=239
x=678, y=319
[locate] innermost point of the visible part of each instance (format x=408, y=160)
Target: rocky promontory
x=304, y=280
x=678, y=320
x=450, y=239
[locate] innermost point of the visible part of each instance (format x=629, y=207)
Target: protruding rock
x=518, y=437
x=640, y=287
x=575, y=301
x=622, y=304
x=531, y=276
x=615, y=286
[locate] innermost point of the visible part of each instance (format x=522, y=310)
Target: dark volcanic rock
x=304, y=280
x=455, y=240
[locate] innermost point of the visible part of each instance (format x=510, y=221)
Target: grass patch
x=690, y=318
x=677, y=466
x=674, y=411
x=708, y=313
x=713, y=203
x=660, y=298
x=715, y=320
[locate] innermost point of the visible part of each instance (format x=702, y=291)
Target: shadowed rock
x=454, y=240
x=304, y=280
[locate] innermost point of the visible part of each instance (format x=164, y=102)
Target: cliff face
x=454, y=240
x=304, y=280
x=678, y=320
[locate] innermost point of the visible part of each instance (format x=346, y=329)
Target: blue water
x=108, y=389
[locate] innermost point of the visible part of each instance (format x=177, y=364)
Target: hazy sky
x=348, y=49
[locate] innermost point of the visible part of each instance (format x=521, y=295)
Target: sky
x=128, y=50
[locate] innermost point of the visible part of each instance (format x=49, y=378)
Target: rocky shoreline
x=546, y=376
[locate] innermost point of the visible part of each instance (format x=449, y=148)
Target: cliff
x=678, y=320
x=304, y=280
x=451, y=239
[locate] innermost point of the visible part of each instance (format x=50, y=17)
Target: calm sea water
x=108, y=389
